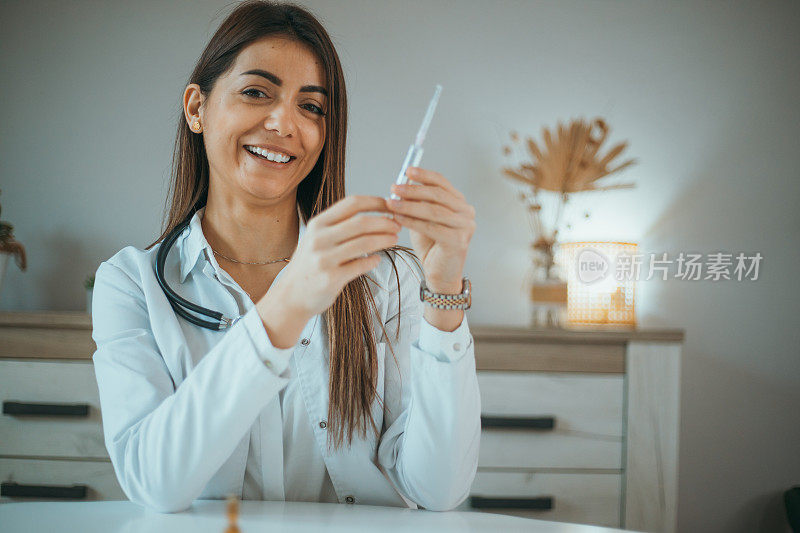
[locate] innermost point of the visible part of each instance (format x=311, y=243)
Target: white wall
x=706, y=92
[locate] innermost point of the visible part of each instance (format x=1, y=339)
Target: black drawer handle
x=538, y=422
x=542, y=503
x=45, y=409
x=15, y=490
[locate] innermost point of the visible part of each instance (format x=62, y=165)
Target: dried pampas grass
x=567, y=161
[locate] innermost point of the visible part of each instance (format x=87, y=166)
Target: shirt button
x=456, y=346
x=305, y=342
x=350, y=499
x=323, y=424
x=268, y=363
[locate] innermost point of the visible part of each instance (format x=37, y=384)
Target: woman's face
x=274, y=97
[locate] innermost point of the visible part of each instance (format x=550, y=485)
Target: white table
x=258, y=516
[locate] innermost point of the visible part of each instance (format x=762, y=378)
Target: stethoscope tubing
x=175, y=300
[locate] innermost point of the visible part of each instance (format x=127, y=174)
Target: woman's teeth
x=272, y=156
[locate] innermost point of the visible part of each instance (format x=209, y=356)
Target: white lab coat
x=178, y=401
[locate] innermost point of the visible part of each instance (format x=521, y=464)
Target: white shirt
x=193, y=413
x=305, y=477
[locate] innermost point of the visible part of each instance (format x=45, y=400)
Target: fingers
x=357, y=247
x=427, y=211
x=345, y=233
x=433, y=201
x=438, y=232
x=430, y=193
x=358, y=225
x=352, y=269
x=429, y=177
x=347, y=207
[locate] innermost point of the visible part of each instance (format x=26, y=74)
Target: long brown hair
x=352, y=385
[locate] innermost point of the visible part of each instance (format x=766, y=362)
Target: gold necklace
x=286, y=259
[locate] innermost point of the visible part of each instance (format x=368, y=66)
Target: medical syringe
x=414, y=154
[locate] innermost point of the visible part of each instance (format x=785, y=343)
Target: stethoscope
x=178, y=303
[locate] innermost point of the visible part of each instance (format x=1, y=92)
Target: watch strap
x=462, y=300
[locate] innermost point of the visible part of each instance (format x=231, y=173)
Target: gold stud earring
x=196, y=125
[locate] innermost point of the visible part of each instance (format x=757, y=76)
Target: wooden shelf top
x=488, y=333
x=575, y=334
x=46, y=319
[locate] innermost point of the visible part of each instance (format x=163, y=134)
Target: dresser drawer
x=551, y=420
x=580, y=498
x=59, y=383
x=97, y=476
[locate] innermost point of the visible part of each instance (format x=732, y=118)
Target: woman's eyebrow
x=277, y=81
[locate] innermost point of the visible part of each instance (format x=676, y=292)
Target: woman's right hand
x=330, y=253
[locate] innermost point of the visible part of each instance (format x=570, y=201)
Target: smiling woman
x=295, y=400
x=256, y=121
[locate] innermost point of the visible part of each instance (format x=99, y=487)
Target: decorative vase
x=548, y=292
x=548, y=303
x=89, y=301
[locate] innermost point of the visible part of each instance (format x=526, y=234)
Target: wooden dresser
x=51, y=436
x=577, y=426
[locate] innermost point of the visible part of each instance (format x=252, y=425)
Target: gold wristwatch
x=448, y=301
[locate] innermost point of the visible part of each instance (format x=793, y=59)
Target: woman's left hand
x=441, y=223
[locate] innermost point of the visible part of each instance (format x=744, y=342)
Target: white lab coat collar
x=192, y=243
